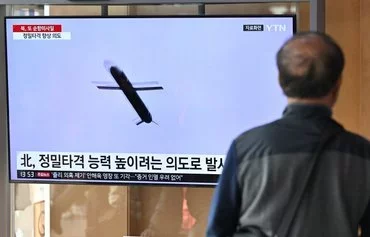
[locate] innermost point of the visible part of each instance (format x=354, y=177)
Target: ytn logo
x=276, y=28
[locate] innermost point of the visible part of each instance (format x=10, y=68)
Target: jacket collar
x=307, y=111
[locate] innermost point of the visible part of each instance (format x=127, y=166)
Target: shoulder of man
x=254, y=140
x=357, y=138
x=357, y=142
x=257, y=141
x=257, y=132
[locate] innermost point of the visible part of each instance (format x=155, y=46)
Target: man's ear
x=338, y=84
x=336, y=88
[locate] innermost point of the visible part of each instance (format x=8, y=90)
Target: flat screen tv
x=137, y=100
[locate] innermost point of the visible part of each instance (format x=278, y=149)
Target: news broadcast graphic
x=40, y=32
x=137, y=100
x=120, y=167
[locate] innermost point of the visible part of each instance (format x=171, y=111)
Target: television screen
x=137, y=100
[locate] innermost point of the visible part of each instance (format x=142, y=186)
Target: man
x=265, y=165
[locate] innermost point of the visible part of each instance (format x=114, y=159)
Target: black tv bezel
x=56, y=17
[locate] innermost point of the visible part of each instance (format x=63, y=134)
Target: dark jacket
x=264, y=167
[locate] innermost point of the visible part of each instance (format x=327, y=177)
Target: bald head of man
x=310, y=67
